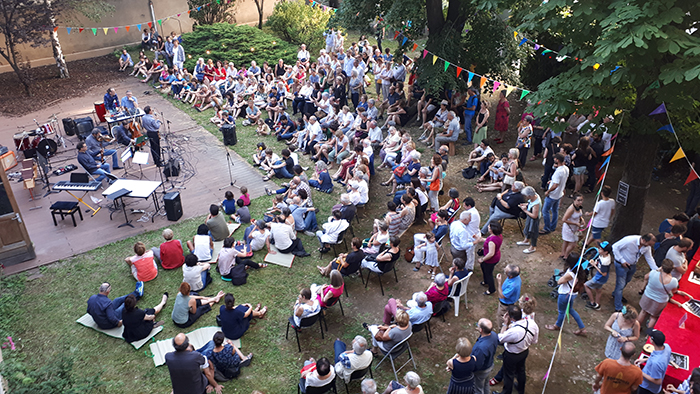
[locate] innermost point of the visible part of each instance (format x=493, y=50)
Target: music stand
x=119, y=194
x=140, y=158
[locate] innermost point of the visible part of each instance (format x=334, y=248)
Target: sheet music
x=140, y=158
x=126, y=155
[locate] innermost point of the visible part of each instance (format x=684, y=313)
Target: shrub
x=236, y=43
x=299, y=23
x=210, y=11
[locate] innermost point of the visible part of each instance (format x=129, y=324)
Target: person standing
x=627, y=252
x=553, y=195
x=567, y=295
x=152, y=125
x=178, y=55
x=472, y=225
x=484, y=349
x=618, y=376
x=603, y=213
x=517, y=335
x=502, y=113
x=460, y=243
x=469, y=111
x=655, y=369
x=508, y=291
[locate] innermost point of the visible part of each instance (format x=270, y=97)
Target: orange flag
x=482, y=82
x=609, y=152
x=127, y=28
x=415, y=46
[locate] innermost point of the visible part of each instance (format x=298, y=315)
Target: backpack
x=469, y=172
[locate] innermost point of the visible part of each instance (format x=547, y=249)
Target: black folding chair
x=423, y=326
x=379, y=276
x=329, y=304
x=339, y=240
x=304, y=323
x=359, y=375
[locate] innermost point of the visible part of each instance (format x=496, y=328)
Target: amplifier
x=84, y=127
x=69, y=126
x=172, y=168
x=229, y=133
x=173, y=206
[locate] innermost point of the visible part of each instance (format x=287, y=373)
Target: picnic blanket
x=283, y=259
x=87, y=321
x=197, y=338
x=220, y=244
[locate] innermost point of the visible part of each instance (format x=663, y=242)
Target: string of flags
x=680, y=153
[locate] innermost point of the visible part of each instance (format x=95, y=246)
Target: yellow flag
x=515, y=34
x=509, y=90
x=105, y=30
x=559, y=339
x=596, y=66
x=679, y=155
x=617, y=112
x=434, y=59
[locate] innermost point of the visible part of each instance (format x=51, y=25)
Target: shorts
x=595, y=284
x=597, y=232
x=430, y=107
x=579, y=170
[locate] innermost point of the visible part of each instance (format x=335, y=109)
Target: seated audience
x=331, y=231
x=232, y=264
x=235, y=319
x=170, y=252
x=139, y=323
x=346, y=263
x=196, y=274
x=226, y=357
x=316, y=373
x=190, y=372
x=389, y=335
x=202, y=245
x=412, y=381
x=419, y=309
x=216, y=223
x=107, y=313
x=349, y=361
x=326, y=293
x=143, y=267
x=305, y=306
x=189, y=306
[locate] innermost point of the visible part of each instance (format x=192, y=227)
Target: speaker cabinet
x=173, y=206
x=229, y=133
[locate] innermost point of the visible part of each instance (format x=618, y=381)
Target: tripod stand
x=229, y=162
x=168, y=164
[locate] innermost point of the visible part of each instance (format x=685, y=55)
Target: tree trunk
x=56, y=45
x=639, y=162
x=435, y=17
x=261, y=8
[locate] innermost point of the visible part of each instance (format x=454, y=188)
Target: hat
x=657, y=337
x=604, y=244
x=354, y=184
x=444, y=102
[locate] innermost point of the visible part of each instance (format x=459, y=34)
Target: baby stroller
x=589, y=255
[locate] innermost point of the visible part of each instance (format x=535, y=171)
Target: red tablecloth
x=682, y=340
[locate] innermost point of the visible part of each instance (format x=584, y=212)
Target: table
x=682, y=340
x=122, y=116
x=139, y=189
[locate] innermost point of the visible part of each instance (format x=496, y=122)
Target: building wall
x=84, y=45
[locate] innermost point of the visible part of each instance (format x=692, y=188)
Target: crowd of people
x=319, y=106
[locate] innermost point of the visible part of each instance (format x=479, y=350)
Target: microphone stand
x=230, y=164
x=169, y=151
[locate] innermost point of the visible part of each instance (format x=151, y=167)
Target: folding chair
x=359, y=375
x=462, y=291
x=304, y=323
x=379, y=276
x=87, y=172
x=330, y=303
x=357, y=211
x=359, y=271
x=423, y=326
x=319, y=390
x=517, y=218
x=395, y=352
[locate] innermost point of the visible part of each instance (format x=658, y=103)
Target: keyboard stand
x=80, y=199
x=119, y=194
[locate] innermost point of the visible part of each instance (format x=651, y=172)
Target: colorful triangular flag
x=447, y=64
x=668, y=128
x=605, y=163
x=404, y=41
x=496, y=84
x=537, y=47
x=160, y=22
x=55, y=29
x=655, y=85
x=94, y=31
x=524, y=93
x=425, y=53
x=459, y=71
x=482, y=82
x=546, y=51
x=116, y=29
x=105, y=30
x=150, y=24
x=471, y=75
x=661, y=109
x=138, y=27
x=80, y=30
x=415, y=46
x=434, y=59
x=396, y=34
x=127, y=28
x=515, y=34
x=524, y=40
x=693, y=176
x=68, y=29
x=617, y=112
x=609, y=151
x=509, y=90
x=679, y=155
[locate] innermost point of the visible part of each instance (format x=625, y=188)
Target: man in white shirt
x=354, y=192
x=517, y=335
x=347, y=362
x=346, y=120
x=677, y=254
x=472, y=225
x=372, y=110
x=331, y=230
x=303, y=55
x=285, y=238
x=553, y=195
x=399, y=71
x=315, y=134
x=627, y=252
x=460, y=243
x=451, y=133
x=603, y=213
x=478, y=156
x=362, y=186
x=375, y=135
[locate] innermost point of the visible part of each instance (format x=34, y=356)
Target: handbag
x=400, y=171
x=409, y=254
x=379, y=336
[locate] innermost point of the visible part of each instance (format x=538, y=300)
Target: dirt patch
x=47, y=88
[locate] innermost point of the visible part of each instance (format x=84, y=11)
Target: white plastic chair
x=462, y=291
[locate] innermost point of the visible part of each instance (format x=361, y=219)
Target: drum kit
x=43, y=140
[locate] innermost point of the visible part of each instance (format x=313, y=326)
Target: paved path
x=206, y=160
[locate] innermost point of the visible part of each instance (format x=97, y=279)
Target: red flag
x=396, y=34
x=80, y=30
x=601, y=178
x=459, y=71
x=55, y=29
x=150, y=25
x=693, y=176
x=415, y=46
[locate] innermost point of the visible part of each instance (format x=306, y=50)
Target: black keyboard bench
x=65, y=208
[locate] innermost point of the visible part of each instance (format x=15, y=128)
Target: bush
x=299, y=23
x=235, y=43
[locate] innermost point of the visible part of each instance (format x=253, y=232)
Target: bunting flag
x=138, y=27
x=404, y=41
x=160, y=22
x=471, y=75
x=68, y=30
x=496, y=84
x=459, y=71
x=537, y=47
x=415, y=46
x=447, y=64
x=524, y=93
x=615, y=69
x=661, y=109
x=596, y=66
x=396, y=34
x=482, y=82
x=434, y=59
x=105, y=30
x=655, y=85
x=668, y=128
x=607, y=160
x=116, y=29
x=693, y=176
x=617, y=112
x=94, y=31
x=679, y=155
x=546, y=51
x=425, y=52
x=509, y=90
x=609, y=151
x=80, y=30
x=55, y=29
x=515, y=34
x=127, y=28
x=524, y=40
x=150, y=24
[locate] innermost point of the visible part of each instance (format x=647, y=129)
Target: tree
x=56, y=43
x=22, y=22
x=211, y=11
x=260, y=4
x=296, y=22
x=635, y=54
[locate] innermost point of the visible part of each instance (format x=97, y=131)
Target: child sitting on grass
x=263, y=128
x=242, y=215
x=245, y=196
x=221, y=118
x=229, y=204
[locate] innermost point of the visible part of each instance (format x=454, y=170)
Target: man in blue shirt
x=108, y=313
x=484, y=349
x=97, y=151
x=129, y=102
x=508, y=291
x=655, y=369
x=469, y=111
x=88, y=162
x=169, y=50
x=152, y=125
x=111, y=100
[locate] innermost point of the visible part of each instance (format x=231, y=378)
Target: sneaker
x=596, y=307
x=310, y=233
x=365, y=326
x=267, y=191
x=590, y=305
x=522, y=243
x=139, y=288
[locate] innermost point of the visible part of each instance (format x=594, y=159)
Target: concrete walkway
x=205, y=168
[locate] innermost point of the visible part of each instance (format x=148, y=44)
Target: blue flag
x=668, y=127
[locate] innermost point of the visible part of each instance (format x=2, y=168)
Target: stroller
x=589, y=255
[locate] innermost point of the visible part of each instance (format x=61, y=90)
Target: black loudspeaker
x=172, y=168
x=173, y=206
x=229, y=132
x=84, y=127
x=69, y=126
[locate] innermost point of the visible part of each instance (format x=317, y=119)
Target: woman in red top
x=220, y=71
x=492, y=255
x=502, y=113
x=210, y=71
x=334, y=290
x=437, y=291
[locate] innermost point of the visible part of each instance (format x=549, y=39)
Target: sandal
x=262, y=265
x=581, y=332
x=552, y=327
x=385, y=183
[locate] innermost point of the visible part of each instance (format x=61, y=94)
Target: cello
x=135, y=130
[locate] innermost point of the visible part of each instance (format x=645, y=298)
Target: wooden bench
x=65, y=208
x=451, y=146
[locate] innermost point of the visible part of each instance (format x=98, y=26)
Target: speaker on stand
x=173, y=206
x=229, y=133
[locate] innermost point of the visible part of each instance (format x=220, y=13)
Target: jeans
x=339, y=347
x=285, y=136
x=118, y=304
x=207, y=349
x=562, y=301
x=282, y=173
x=481, y=381
x=514, y=367
x=310, y=223
x=468, y=126
x=623, y=276
x=550, y=214
x=496, y=215
x=104, y=169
